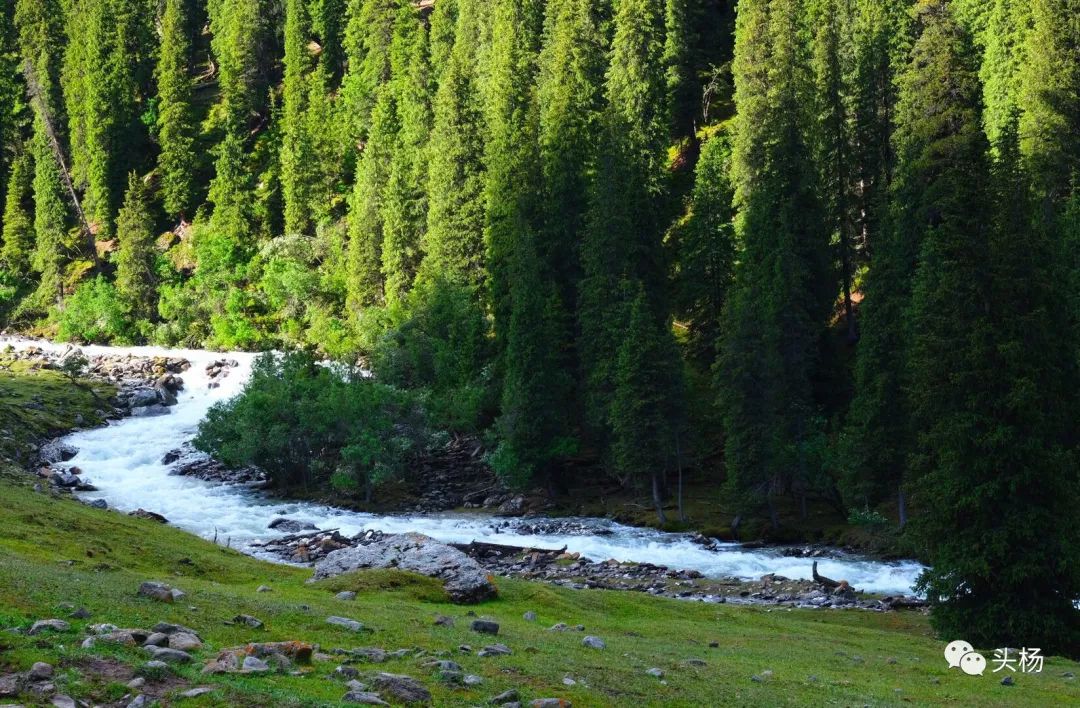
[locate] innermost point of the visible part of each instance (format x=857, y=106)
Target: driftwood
x=822, y=580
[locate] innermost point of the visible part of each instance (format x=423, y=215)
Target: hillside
x=58, y=555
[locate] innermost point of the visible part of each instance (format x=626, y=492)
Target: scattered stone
x=363, y=698
x=444, y=665
x=158, y=591
x=593, y=642
x=372, y=655
x=485, y=626
x=138, y=702
x=560, y=627
x=444, y=621
x=1008, y=681
x=349, y=624
x=154, y=668
x=757, y=679
x=472, y=680
x=714, y=645
x=551, y=703
x=347, y=672
x=157, y=639
x=464, y=579
x=346, y=595
x=62, y=701
x=495, y=650
x=655, y=672
x=504, y=697
x=253, y=622
x=99, y=504
x=264, y=588
x=254, y=665
x=1068, y=675
x=136, y=683
x=404, y=688
x=184, y=642
x=529, y=616
x=40, y=671
x=9, y=686
x=292, y=525
x=567, y=681
x=174, y=656
x=81, y=613
x=150, y=515
x=196, y=692
x=51, y=625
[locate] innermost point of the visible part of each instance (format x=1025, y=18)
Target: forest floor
x=58, y=556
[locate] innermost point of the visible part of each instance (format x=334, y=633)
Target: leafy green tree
x=175, y=119
x=776, y=312
x=135, y=277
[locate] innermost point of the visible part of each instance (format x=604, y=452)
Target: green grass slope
x=56, y=553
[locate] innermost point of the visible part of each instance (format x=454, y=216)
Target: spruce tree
x=135, y=253
x=454, y=243
x=368, y=35
x=776, y=312
x=50, y=225
x=993, y=465
x=18, y=224
x=296, y=154
x=404, y=211
x=1001, y=67
x=706, y=249
x=175, y=122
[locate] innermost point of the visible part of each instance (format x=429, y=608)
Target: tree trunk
x=901, y=503
x=657, y=502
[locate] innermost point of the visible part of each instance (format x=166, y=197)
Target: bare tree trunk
x=657, y=502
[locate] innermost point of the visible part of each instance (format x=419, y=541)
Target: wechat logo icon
x=963, y=656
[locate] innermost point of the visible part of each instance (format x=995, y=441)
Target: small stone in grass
x=485, y=626
x=40, y=672
x=593, y=642
x=529, y=616
x=655, y=672
x=1008, y=681
x=346, y=595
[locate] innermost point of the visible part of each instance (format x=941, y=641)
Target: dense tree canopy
x=828, y=251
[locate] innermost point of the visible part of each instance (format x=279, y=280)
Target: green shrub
x=310, y=424
x=93, y=314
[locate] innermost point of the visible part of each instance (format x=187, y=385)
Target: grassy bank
x=56, y=554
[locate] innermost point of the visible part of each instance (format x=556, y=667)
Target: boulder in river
x=464, y=579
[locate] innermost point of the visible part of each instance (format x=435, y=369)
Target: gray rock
x=196, y=692
x=264, y=588
x=1068, y=675
x=80, y=614
x=157, y=639
x=463, y=578
x=472, y=680
x=404, y=688
x=350, y=624
x=62, y=701
x=1008, y=681
x=253, y=622
x=655, y=672
x=444, y=621
x=551, y=703
x=138, y=702
x=173, y=656
x=254, y=665
x=49, y=625
x=346, y=595
x=157, y=591
x=485, y=626
x=529, y=616
x=452, y=677
x=355, y=685
x=560, y=627
x=40, y=671
x=55, y=451
x=136, y=683
x=184, y=642
x=445, y=665
x=495, y=650
x=504, y=697
x=372, y=655
x=99, y=504
x=154, y=667
x=171, y=629
x=9, y=686
x=346, y=672
x=150, y=411
x=593, y=642
x=292, y=525
x=363, y=698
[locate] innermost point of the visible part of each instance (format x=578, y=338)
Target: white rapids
x=123, y=460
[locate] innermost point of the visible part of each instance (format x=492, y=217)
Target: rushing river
x=123, y=460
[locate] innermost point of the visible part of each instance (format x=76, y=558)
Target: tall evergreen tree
x=993, y=461
x=18, y=224
x=296, y=154
x=50, y=225
x=135, y=253
x=368, y=35
x=405, y=203
x=776, y=313
x=1000, y=72
x=454, y=243
x=175, y=122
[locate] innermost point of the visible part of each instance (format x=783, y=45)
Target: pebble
x=346, y=595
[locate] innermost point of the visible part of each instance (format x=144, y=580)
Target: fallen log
x=822, y=580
